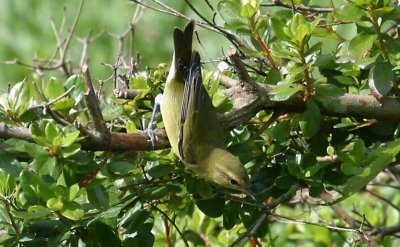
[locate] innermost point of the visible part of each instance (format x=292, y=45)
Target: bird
x=191, y=122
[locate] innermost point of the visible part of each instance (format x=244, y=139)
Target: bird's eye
x=233, y=182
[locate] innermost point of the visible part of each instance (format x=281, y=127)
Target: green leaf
x=211, y=207
x=378, y=160
x=105, y=236
x=316, y=188
x=98, y=196
x=70, y=150
x=33, y=212
x=80, y=87
x=53, y=89
x=38, y=135
x=54, y=204
x=35, y=188
x=142, y=239
x=204, y=189
x=328, y=95
x=359, y=151
x=302, y=34
x=194, y=237
x=19, y=98
x=127, y=217
x=139, y=82
x=221, y=102
x=349, y=13
x=360, y=45
x=381, y=79
x=160, y=171
x=277, y=26
x=73, y=211
x=382, y=11
x=141, y=220
x=310, y=119
x=69, y=138
x=285, y=181
x=284, y=92
x=229, y=11
x=121, y=167
x=51, y=133
x=248, y=10
x=281, y=131
x=73, y=192
x=43, y=164
x=64, y=104
x=297, y=20
x=231, y=215
x=111, y=112
x=7, y=183
x=261, y=23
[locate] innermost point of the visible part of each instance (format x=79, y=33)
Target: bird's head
x=224, y=169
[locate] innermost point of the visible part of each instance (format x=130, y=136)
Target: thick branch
x=354, y=105
x=118, y=142
x=342, y=213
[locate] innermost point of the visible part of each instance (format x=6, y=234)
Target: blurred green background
x=26, y=34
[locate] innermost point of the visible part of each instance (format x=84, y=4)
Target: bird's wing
x=199, y=128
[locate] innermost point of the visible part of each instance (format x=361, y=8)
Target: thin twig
x=297, y=7
x=47, y=104
x=173, y=223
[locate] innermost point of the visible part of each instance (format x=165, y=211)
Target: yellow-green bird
x=191, y=121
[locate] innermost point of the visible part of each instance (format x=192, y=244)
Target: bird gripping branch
x=191, y=122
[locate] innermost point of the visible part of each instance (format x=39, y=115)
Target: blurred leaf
x=111, y=112
x=378, y=160
x=43, y=164
x=142, y=239
x=211, y=207
x=284, y=92
x=277, y=26
x=221, y=102
x=80, y=87
x=285, y=182
x=64, y=104
x=160, y=171
x=121, y=167
x=35, y=188
x=381, y=79
x=98, y=196
x=194, y=237
x=53, y=89
x=231, y=215
x=54, y=204
x=229, y=11
x=105, y=236
x=310, y=119
x=73, y=211
x=349, y=12
x=360, y=45
x=204, y=189
x=7, y=184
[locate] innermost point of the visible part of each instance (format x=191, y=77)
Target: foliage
x=57, y=188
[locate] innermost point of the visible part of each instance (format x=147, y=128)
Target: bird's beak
x=247, y=191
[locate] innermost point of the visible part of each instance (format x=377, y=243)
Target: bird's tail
x=183, y=44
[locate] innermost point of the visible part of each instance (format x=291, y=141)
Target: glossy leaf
x=310, y=120
x=381, y=79
x=211, y=207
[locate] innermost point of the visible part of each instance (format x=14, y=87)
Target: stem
x=306, y=72
x=380, y=38
x=265, y=51
x=13, y=223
